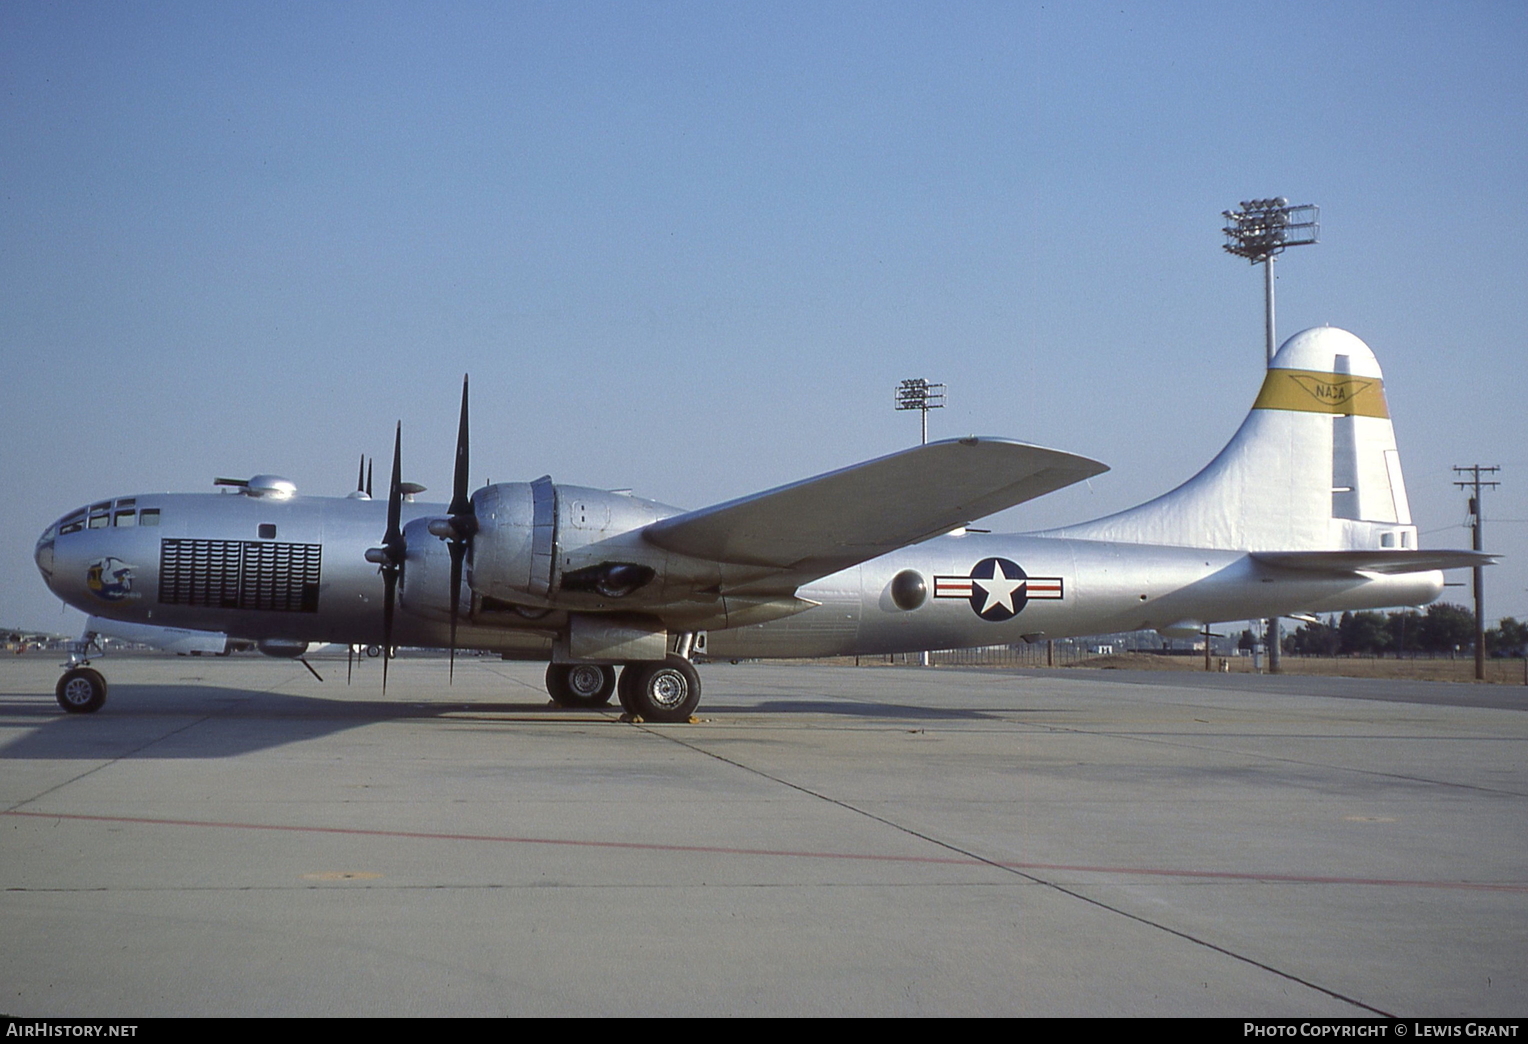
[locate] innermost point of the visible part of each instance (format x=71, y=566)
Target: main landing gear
x=580, y=684
x=666, y=690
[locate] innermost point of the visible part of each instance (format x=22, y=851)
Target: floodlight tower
x=1259, y=232
x=917, y=394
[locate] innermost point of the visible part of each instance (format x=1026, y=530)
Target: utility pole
x=1474, y=483
x=1258, y=231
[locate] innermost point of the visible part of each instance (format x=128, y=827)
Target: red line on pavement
x=648, y=846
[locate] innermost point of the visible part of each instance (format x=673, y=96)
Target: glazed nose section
x=43, y=554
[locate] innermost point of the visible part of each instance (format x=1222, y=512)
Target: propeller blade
x=390, y=586
x=458, y=552
x=394, y=535
x=394, y=551
x=460, y=504
x=463, y=523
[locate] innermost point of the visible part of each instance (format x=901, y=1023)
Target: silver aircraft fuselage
x=1085, y=587
x=171, y=560
x=1303, y=511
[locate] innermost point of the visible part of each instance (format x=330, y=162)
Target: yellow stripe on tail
x=1308, y=391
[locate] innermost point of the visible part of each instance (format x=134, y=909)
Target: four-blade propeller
x=457, y=530
x=390, y=557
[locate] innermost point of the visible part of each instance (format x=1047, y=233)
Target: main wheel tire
x=666, y=691
x=623, y=687
x=580, y=684
x=81, y=691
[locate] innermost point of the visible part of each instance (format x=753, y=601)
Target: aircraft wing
x=1376, y=561
x=823, y=524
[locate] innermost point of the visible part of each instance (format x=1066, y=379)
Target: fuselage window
x=100, y=521
x=148, y=517
x=267, y=531
x=72, y=523
x=125, y=518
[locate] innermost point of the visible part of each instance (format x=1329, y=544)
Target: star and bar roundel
x=997, y=588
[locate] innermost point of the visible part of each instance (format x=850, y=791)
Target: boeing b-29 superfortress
x=1303, y=511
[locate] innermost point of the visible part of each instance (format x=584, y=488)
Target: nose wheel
x=82, y=690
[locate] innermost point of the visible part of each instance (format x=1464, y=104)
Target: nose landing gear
x=82, y=690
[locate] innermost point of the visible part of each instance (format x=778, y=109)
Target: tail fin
x=1313, y=467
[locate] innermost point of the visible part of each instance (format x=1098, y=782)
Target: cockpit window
x=104, y=515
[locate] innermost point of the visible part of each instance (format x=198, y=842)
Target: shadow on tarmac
x=188, y=720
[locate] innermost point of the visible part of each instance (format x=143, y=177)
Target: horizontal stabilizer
x=1376, y=561
x=827, y=523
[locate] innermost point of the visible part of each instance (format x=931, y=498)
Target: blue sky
x=691, y=248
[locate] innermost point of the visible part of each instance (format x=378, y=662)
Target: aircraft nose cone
x=43, y=555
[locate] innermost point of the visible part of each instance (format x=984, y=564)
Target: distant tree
x=1447, y=627
x=1507, y=638
x=1363, y=633
x=1314, y=639
x=1246, y=642
x=1405, y=631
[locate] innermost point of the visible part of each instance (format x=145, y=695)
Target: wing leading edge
x=823, y=524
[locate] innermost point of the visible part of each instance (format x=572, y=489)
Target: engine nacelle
x=534, y=543
x=426, y=587
x=513, y=549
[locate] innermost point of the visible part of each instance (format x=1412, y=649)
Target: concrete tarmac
x=231, y=837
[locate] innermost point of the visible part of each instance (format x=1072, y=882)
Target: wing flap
x=1375, y=561
x=832, y=521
